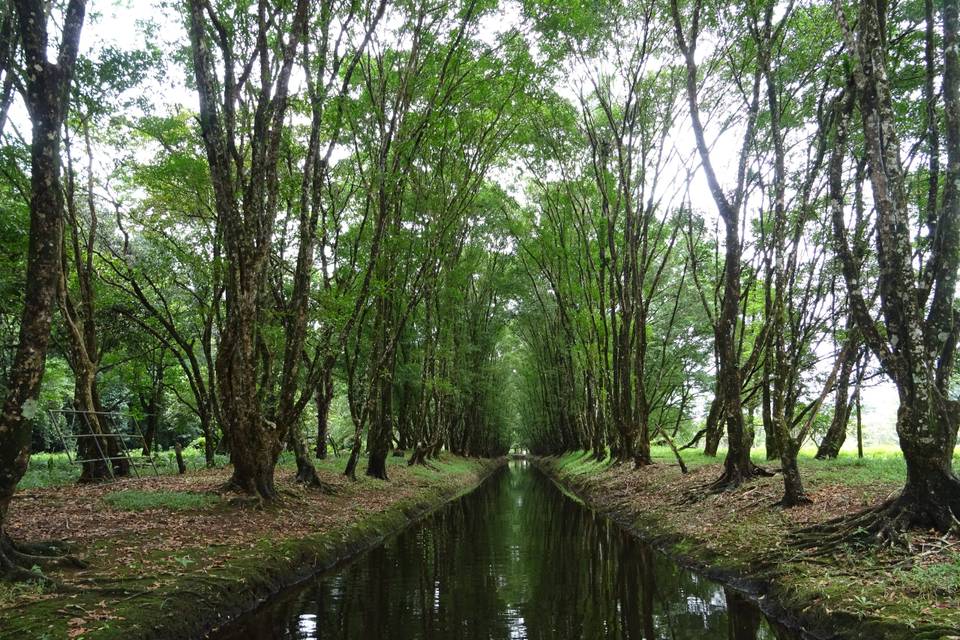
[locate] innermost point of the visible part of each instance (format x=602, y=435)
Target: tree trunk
x=769, y=429
x=837, y=433
x=323, y=400
x=351, y=469
x=152, y=408
x=47, y=101
x=381, y=417
x=714, y=428
x=209, y=450
x=642, y=457
x=738, y=466
x=253, y=446
x=859, y=424
x=793, y=492
x=246, y=207
x=306, y=472
x=178, y=452
x=931, y=497
x=918, y=347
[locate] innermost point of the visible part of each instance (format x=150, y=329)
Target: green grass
x=173, y=500
x=880, y=463
x=935, y=580
x=444, y=465
x=55, y=469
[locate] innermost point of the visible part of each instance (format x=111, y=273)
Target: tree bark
x=306, y=471
x=47, y=100
x=918, y=348
x=246, y=204
x=842, y=406
x=324, y=398
x=737, y=466
x=714, y=427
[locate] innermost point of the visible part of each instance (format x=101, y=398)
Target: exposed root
x=231, y=486
x=247, y=501
x=732, y=479
x=311, y=480
x=260, y=492
x=794, y=501
x=22, y=563
x=886, y=525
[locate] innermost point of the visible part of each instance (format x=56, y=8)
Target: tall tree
x=242, y=142
x=738, y=466
x=916, y=340
x=47, y=97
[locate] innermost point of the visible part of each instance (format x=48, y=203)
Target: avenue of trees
x=398, y=228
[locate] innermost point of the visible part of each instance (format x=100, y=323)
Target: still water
x=514, y=559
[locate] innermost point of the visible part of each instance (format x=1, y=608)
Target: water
x=514, y=559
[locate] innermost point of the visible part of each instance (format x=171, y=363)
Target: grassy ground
x=165, y=554
x=869, y=593
x=55, y=469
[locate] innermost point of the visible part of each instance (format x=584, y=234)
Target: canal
x=515, y=558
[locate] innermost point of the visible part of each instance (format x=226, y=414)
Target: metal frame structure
x=71, y=437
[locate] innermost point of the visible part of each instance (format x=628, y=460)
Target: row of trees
x=819, y=236
x=386, y=208
x=324, y=219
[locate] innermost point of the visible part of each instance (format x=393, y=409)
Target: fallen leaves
x=150, y=549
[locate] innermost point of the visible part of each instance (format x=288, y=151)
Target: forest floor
x=740, y=537
x=168, y=555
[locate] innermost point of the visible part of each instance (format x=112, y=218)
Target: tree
x=47, y=97
x=916, y=342
x=246, y=197
x=738, y=466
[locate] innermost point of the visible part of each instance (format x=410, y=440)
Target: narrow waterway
x=514, y=559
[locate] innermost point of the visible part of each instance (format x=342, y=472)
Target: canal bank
x=138, y=588
x=738, y=538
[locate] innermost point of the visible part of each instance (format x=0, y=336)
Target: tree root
x=733, y=478
x=311, y=480
x=22, y=562
x=885, y=525
x=793, y=502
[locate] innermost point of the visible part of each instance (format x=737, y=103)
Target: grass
x=10, y=592
x=880, y=463
x=131, y=500
x=55, y=469
x=884, y=463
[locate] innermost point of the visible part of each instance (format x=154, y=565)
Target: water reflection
x=514, y=559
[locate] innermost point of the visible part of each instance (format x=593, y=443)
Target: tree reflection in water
x=514, y=559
